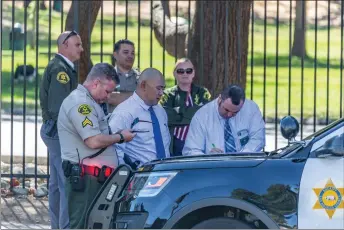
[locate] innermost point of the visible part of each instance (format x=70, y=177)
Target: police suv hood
x=240, y=160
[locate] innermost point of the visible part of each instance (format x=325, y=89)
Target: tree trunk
x=175, y=35
x=86, y=13
x=299, y=43
x=230, y=61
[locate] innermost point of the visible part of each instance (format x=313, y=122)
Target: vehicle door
x=321, y=203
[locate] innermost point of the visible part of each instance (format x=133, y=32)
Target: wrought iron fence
x=308, y=86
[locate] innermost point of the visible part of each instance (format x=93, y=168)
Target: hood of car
x=241, y=160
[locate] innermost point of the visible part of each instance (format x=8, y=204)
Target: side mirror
x=289, y=127
x=333, y=146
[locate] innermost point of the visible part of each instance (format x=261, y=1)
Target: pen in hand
x=216, y=150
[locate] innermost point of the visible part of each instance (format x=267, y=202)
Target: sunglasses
x=72, y=33
x=137, y=120
x=182, y=71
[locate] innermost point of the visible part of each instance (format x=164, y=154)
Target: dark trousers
x=178, y=146
x=79, y=202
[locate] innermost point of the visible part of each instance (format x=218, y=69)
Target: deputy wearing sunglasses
x=59, y=79
x=181, y=102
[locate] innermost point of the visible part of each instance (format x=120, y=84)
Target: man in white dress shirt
x=228, y=124
x=142, y=113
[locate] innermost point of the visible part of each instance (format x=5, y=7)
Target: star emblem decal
x=329, y=198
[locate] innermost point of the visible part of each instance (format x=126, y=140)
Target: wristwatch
x=122, y=138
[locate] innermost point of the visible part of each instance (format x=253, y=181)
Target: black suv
x=298, y=186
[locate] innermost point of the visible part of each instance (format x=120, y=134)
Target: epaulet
x=136, y=70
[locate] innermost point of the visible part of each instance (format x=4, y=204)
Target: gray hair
x=103, y=71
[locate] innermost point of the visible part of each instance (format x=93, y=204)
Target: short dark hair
x=235, y=93
x=120, y=42
x=103, y=70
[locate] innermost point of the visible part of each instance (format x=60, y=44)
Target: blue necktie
x=159, y=145
x=229, y=139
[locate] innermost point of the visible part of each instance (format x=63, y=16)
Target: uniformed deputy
x=124, y=55
x=59, y=80
x=84, y=137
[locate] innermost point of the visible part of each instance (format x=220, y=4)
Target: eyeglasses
x=182, y=71
x=72, y=33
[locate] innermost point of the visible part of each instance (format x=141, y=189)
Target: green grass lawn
x=281, y=78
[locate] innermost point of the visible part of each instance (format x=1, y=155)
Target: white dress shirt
x=142, y=147
x=207, y=129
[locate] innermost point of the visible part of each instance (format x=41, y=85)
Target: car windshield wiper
x=292, y=145
x=280, y=150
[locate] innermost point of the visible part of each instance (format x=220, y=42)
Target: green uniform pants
x=79, y=202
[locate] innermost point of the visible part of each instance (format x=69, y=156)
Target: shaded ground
x=24, y=213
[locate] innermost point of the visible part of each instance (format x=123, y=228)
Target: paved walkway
x=24, y=213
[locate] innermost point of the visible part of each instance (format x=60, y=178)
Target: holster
x=66, y=167
x=129, y=162
x=52, y=129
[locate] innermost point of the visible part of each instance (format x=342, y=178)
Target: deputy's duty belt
x=101, y=173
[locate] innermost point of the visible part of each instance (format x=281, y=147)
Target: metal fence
x=309, y=87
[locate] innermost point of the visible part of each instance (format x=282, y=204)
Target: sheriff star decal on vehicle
x=329, y=198
x=87, y=122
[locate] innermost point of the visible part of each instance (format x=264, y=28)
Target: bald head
x=62, y=37
x=150, y=86
x=69, y=45
x=149, y=74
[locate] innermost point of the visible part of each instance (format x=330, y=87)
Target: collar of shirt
x=83, y=89
x=216, y=109
x=139, y=100
x=118, y=71
x=67, y=60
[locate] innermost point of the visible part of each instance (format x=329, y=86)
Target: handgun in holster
x=66, y=167
x=52, y=132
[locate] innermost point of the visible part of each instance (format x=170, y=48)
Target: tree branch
x=173, y=32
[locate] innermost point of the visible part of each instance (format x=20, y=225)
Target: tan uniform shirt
x=127, y=83
x=81, y=117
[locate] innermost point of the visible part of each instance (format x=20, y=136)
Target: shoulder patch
x=87, y=122
x=84, y=109
x=63, y=77
x=207, y=95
